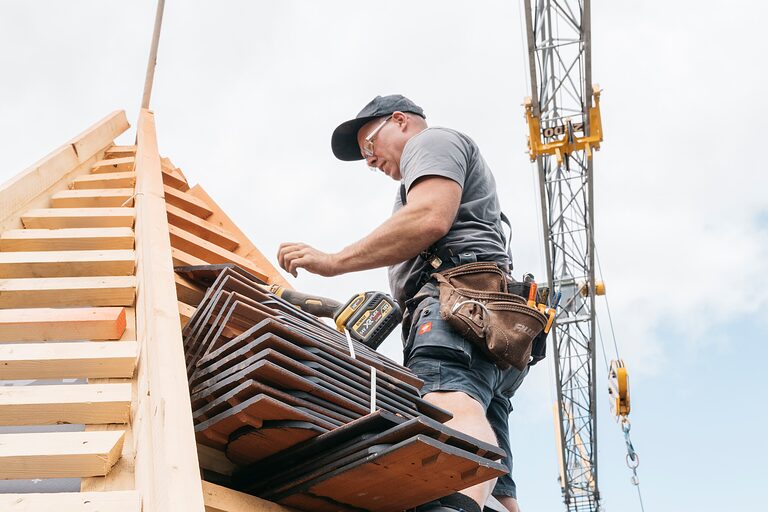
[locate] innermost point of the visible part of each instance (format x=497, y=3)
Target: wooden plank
x=204, y=229
x=111, y=180
x=59, y=454
x=47, y=172
x=122, y=164
x=187, y=202
x=73, y=239
x=67, y=292
x=67, y=263
x=174, y=179
x=187, y=291
x=93, y=198
x=120, y=151
x=185, y=313
x=47, y=324
x=68, y=360
x=167, y=471
x=212, y=253
x=67, y=403
x=246, y=249
x=222, y=499
x=183, y=259
x=100, y=135
x=116, y=501
x=56, y=218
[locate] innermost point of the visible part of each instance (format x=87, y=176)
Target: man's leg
x=469, y=418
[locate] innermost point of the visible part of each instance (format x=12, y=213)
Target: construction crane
x=563, y=115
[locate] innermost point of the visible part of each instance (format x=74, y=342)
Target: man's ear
x=401, y=119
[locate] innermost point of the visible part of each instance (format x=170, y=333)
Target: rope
x=633, y=459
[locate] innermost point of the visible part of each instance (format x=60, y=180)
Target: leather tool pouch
x=474, y=301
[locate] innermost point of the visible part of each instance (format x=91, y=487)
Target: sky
x=246, y=96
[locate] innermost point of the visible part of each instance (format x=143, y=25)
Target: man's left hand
x=292, y=256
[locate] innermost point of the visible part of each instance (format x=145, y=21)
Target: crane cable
x=632, y=458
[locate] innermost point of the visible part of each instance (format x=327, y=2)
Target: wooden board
x=59, y=454
x=174, y=179
x=103, y=181
x=67, y=292
x=72, y=403
x=67, y=263
x=115, y=501
x=119, y=151
x=185, y=312
x=121, y=164
x=187, y=291
x=187, y=202
x=222, y=499
x=44, y=324
x=67, y=360
x=93, y=198
x=75, y=239
x=199, y=227
x=56, y=218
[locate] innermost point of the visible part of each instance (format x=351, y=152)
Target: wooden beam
x=187, y=291
x=76, y=360
x=209, y=252
x=223, y=499
x=67, y=263
x=73, y=239
x=115, y=501
x=67, y=292
x=111, y=180
x=185, y=313
x=66, y=403
x=59, y=454
x=100, y=135
x=93, y=198
x=46, y=324
x=202, y=228
x=167, y=471
x=123, y=164
x=56, y=218
x=53, y=168
x=119, y=151
x=186, y=202
x=246, y=249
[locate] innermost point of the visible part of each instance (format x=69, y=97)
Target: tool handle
x=312, y=304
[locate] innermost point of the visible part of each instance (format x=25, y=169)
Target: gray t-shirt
x=478, y=226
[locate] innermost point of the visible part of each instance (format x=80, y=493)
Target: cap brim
x=344, y=139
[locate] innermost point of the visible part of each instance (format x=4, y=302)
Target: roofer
x=446, y=214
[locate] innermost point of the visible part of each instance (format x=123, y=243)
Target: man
x=446, y=213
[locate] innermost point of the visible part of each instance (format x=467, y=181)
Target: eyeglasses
x=368, y=143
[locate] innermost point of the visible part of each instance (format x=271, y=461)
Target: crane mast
x=564, y=128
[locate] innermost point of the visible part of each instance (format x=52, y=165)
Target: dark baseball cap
x=344, y=138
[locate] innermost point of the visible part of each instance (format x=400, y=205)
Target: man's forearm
x=404, y=235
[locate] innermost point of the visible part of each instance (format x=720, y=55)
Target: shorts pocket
x=431, y=337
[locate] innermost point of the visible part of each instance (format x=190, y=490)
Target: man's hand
x=293, y=256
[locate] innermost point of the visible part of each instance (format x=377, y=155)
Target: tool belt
x=475, y=302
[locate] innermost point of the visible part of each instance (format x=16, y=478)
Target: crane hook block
x=618, y=388
x=562, y=139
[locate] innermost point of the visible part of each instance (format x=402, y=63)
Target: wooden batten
x=167, y=471
x=187, y=291
x=54, y=292
x=75, y=404
x=72, y=239
x=204, y=229
x=212, y=253
x=47, y=324
x=185, y=313
x=119, y=151
x=122, y=164
x=116, y=501
x=111, y=180
x=55, y=171
x=59, y=454
x=73, y=360
x=93, y=198
x=57, y=218
x=183, y=259
x=67, y=263
x=246, y=249
x=222, y=499
x=187, y=202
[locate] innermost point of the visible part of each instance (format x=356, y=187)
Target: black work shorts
x=447, y=362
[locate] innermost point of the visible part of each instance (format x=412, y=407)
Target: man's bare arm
x=432, y=205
